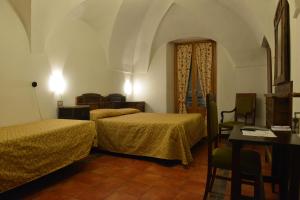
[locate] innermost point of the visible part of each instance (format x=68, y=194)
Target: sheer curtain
x=184, y=59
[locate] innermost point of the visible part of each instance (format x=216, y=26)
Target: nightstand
x=136, y=104
x=81, y=112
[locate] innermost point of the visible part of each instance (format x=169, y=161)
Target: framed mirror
x=282, y=43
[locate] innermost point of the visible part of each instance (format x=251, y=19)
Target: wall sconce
x=127, y=87
x=57, y=85
x=57, y=82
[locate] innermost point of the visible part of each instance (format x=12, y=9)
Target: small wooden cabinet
x=279, y=105
x=136, y=104
x=81, y=112
x=278, y=110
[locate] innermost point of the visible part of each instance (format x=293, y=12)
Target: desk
x=289, y=175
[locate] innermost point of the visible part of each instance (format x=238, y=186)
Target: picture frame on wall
x=282, y=43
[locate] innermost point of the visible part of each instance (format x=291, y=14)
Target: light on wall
x=57, y=82
x=137, y=88
x=127, y=87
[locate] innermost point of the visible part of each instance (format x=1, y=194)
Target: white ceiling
x=132, y=30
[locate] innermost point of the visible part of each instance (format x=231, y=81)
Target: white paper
x=281, y=128
x=254, y=128
x=259, y=133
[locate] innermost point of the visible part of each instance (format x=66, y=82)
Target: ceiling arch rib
x=256, y=13
x=155, y=14
x=46, y=16
x=134, y=33
x=23, y=10
x=101, y=16
x=297, y=8
x=188, y=18
x=124, y=33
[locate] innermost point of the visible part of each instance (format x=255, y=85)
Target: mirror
x=282, y=43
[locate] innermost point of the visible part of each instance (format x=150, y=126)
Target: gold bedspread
x=31, y=150
x=166, y=136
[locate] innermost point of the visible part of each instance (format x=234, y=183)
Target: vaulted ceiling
x=131, y=31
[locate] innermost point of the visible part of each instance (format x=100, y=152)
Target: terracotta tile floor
x=114, y=177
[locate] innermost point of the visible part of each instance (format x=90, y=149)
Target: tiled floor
x=114, y=177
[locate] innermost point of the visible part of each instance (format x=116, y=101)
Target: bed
x=29, y=151
x=158, y=135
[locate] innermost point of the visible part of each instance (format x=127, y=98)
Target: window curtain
x=184, y=59
x=204, y=62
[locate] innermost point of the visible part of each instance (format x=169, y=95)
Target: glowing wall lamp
x=137, y=88
x=57, y=82
x=127, y=87
x=57, y=85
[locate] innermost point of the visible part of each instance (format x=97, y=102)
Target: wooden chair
x=221, y=157
x=244, y=112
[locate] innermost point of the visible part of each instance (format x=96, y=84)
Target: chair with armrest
x=221, y=157
x=244, y=112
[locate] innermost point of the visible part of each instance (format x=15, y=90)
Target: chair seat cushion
x=250, y=160
x=230, y=124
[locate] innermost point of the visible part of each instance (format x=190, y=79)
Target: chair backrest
x=212, y=122
x=245, y=104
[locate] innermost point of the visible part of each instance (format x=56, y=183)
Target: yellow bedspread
x=166, y=136
x=29, y=151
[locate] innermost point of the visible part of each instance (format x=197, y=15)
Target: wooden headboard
x=96, y=101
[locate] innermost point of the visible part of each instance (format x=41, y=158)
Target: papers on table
x=281, y=128
x=259, y=133
x=254, y=128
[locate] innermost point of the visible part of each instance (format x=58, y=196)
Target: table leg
x=294, y=180
x=275, y=165
x=284, y=172
x=236, y=176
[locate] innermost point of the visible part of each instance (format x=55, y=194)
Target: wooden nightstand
x=81, y=112
x=136, y=104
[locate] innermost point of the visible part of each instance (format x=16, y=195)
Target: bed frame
x=96, y=101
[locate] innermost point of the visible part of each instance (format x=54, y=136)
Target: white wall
x=189, y=19
x=16, y=97
x=157, y=85
x=71, y=47
x=151, y=87
x=226, y=81
x=253, y=80
x=238, y=44
x=80, y=43
x=170, y=78
x=295, y=57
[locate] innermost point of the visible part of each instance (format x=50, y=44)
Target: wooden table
x=289, y=163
